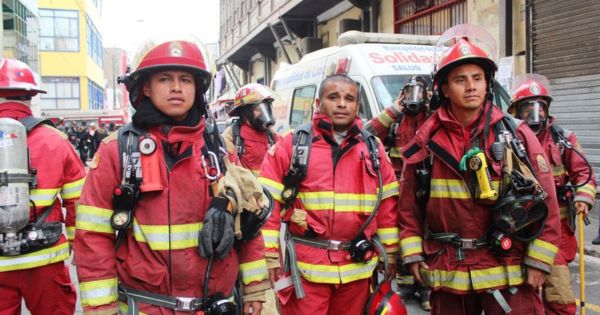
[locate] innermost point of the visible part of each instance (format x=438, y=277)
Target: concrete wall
x=386, y=16
x=329, y=32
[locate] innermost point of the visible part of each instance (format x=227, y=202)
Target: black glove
x=217, y=235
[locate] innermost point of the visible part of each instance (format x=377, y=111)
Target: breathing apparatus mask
x=415, y=96
x=265, y=119
x=529, y=111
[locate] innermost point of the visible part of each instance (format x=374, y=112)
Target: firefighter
x=467, y=174
x=34, y=270
x=573, y=177
x=396, y=126
x=175, y=249
x=250, y=135
x=336, y=194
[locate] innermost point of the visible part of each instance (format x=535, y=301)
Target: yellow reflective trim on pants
x=94, y=219
x=70, y=233
x=157, y=236
x=43, y=197
x=72, y=190
x=391, y=189
x=39, y=258
x=411, y=245
x=389, y=236
x=254, y=271
x=558, y=171
x=475, y=279
x=334, y=274
x=542, y=251
x=273, y=187
x=271, y=238
x=98, y=292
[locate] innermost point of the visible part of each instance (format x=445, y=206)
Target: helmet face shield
x=263, y=116
x=529, y=111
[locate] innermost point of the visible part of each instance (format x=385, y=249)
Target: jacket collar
x=15, y=110
x=324, y=125
x=174, y=134
x=249, y=133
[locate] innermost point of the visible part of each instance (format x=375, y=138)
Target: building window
x=95, y=96
x=59, y=30
x=20, y=33
x=61, y=93
x=428, y=17
x=94, y=42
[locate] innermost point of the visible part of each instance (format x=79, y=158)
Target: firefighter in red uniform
x=250, y=136
x=409, y=112
x=460, y=233
x=573, y=177
x=38, y=274
x=158, y=268
x=329, y=212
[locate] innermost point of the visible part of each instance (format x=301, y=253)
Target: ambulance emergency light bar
x=356, y=37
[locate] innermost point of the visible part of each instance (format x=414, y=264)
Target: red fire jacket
x=256, y=145
x=60, y=177
x=160, y=253
x=568, y=167
x=338, y=194
x=452, y=208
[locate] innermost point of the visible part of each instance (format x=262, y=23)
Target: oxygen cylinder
x=14, y=170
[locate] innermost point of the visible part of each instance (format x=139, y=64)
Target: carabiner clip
x=215, y=162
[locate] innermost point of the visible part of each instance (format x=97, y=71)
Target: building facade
x=71, y=63
x=117, y=98
x=556, y=38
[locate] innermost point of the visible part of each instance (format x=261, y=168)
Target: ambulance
x=380, y=63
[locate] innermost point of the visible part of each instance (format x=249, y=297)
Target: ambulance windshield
x=388, y=87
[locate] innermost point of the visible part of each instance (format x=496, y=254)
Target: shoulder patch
x=95, y=161
x=541, y=162
x=112, y=136
x=60, y=133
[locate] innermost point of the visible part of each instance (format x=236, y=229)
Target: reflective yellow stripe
x=70, y=233
x=386, y=120
x=317, y=200
x=453, y=188
x=94, y=219
x=337, y=274
x=587, y=189
x=542, y=251
x=363, y=203
x=254, y=271
x=99, y=292
x=43, y=197
x=396, y=152
x=475, y=279
x=405, y=279
x=124, y=308
x=558, y=171
x=39, y=258
x=391, y=189
x=271, y=238
x=157, y=236
x=273, y=187
x=389, y=236
x=411, y=245
x=72, y=190
x=564, y=212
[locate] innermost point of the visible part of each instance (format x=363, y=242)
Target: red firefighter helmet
x=461, y=44
x=250, y=94
x=185, y=55
x=17, y=79
x=384, y=301
x=528, y=86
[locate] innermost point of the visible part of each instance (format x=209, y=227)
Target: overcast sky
x=127, y=23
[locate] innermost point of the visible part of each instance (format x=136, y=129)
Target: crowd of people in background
x=86, y=138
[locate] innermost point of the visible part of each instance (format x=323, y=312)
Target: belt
x=181, y=304
x=459, y=242
x=332, y=245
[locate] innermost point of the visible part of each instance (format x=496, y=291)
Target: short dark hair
x=338, y=78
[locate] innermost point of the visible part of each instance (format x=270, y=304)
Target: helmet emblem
x=176, y=49
x=20, y=74
x=465, y=50
x=534, y=88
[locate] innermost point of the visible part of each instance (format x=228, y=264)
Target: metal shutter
x=566, y=49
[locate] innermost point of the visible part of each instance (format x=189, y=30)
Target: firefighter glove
x=216, y=237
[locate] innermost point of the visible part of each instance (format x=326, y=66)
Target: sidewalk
x=591, y=231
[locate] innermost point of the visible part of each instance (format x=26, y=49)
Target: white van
x=380, y=63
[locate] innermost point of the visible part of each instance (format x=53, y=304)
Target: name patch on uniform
x=542, y=164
